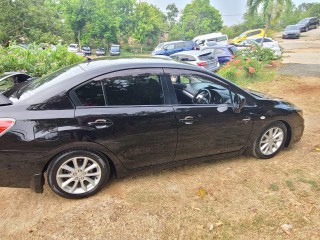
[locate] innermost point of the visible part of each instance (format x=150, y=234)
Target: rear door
x=129, y=113
x=207, y=127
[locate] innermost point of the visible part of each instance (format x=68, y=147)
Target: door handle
x=101, y=123
x=247, y=119
x=188, y=120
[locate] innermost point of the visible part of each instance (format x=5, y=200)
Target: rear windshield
x=206, y=56
x=45, y=82
x=233, y=49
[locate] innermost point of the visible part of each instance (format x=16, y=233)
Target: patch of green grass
x=274, y=187
x=290, y=185
x=314, y=185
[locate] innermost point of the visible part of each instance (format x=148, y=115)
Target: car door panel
x=207, y=129
x=139, y=133
x=216, y=129
x=139, y=136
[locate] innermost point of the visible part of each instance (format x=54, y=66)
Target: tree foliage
x=271, y=10
x=31, y=20
x=199, y=17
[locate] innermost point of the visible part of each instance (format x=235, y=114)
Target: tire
x=77, y=182
x=267, y=146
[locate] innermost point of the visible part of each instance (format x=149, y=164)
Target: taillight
x=6, y=124
x=202, y=64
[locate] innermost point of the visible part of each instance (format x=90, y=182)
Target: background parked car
x=86, y=50
x=267, y=43
x=205, y=40
x=247, y=34
x=308, y=23
x=114, y=50
x=291, y=31
x=223, y=53
x=73, y=47
x=204, y=59
x=100, y=51
x=168, y=48
x=11, y=80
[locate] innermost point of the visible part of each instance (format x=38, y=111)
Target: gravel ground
x=237, y=198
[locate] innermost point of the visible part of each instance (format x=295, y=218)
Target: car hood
x=264, y=96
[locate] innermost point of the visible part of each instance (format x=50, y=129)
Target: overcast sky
x=231, y=10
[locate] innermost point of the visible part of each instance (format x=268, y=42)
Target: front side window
x=169, y=47
x=142, y=89
x=197, y=89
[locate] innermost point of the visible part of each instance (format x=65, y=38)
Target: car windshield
x=242, y=35
x=115, y=48
x=292, y=27
x=4, y=75
x=160, y=46
x=304, y=21
x=86, y=48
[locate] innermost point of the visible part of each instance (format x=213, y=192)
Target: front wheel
x=77, y=173
x=270, y=141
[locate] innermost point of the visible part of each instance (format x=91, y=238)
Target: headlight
x=300, y=112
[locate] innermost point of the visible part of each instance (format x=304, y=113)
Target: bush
x=35, y=61
x=241, y=70
x=258, y=53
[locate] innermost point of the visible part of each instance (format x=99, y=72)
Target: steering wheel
x=202, y=97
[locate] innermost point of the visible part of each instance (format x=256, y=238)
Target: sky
x=231, y=10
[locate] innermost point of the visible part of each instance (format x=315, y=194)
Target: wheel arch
x=113, y=169
x=289, y=133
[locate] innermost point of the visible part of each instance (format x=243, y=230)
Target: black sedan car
x=83, y=123
x=291, y=31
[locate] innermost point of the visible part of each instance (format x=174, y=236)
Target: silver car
x=204, y=59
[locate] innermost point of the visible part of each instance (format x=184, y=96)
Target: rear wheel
x=270, y=141
x=77, y=174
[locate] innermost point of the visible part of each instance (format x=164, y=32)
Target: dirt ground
x=237, y=198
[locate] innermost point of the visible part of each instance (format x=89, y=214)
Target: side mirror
x=238, y=103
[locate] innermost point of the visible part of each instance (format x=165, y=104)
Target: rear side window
x=134, y=90
x=91, y=94
x=179, y=45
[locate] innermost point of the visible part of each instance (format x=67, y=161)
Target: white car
x=267, y=43
x=204, y=59
x=73, y=47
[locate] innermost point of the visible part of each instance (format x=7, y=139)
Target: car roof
x=180, y=41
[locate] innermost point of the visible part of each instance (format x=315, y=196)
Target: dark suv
x=308, y=23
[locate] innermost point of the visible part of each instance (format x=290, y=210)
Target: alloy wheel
x=271, y=140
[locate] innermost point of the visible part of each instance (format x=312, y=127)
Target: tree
x=148, y=22
x=172, y=13
x=109, y=21
x=271, y=10
x=199, y=17
x=32, y=20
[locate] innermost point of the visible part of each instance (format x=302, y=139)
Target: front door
x=207, y=124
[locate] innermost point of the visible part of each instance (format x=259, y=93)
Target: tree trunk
x=79, y=42
x=266, y=29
